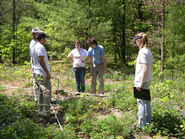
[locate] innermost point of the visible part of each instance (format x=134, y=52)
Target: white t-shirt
x=144, y=57
x=32, y=43
x=39, y=50
x=78, y=57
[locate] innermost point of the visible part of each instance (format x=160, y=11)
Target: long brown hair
x=144, y=40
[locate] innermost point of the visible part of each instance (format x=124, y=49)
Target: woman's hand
x=83, y=62
x=138, y=89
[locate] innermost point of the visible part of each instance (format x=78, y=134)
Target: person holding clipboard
x=143, y=74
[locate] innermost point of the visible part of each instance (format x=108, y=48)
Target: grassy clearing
x=90, y=116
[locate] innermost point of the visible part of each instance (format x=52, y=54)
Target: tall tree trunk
x=140, y=12
x=162, y=43
x=123, y=34
x=14, y=30
x=88, y=35
x=117, y=51
x=89, y=23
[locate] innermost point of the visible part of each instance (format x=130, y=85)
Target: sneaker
x=147, y=124
x=79, y=93
x=101, y=94
x=140, y=127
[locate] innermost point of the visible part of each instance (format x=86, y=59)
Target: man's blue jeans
x=144, y=107
x=79, y=74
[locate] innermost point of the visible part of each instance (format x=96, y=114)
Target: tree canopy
x=112, y=22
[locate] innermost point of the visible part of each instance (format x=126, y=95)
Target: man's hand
x=90, y=72
x=105, y=70
x=48, y=76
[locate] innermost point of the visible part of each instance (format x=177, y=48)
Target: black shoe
x=79, y=93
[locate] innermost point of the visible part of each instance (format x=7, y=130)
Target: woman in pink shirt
x=79, y=69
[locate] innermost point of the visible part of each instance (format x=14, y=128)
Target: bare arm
x=43, y=65
x=145, y=69
x=70, y=59
x=104, y=62
x=87, y=60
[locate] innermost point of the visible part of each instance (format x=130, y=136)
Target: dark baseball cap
x=41, y=35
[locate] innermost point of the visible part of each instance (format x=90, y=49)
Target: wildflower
x=15, y=134
x=5, y=109
x=10, y=123
x=166, y=112
x=155, y=102
x=3, y=124
x=88, y=98
x=18, y=117
x=183, y=115
x=177, y=118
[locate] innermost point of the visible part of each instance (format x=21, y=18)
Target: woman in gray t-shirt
x=143, y=74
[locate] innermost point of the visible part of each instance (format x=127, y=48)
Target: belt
x=99, y=64
x=78, y=67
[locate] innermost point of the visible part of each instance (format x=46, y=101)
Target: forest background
x=113, y=23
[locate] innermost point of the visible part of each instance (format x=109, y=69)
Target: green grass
x=94, y=117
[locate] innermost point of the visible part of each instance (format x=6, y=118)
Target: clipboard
x=143, y=94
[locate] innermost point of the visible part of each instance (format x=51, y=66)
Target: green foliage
x=77, y=111
x=108, y=127
x=117, y=75
x=91, y=116
x=125, y=96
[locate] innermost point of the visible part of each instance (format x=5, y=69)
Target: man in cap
x=42, y=76
x=32, y=44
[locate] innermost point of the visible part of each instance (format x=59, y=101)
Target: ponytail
x=144, y=40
